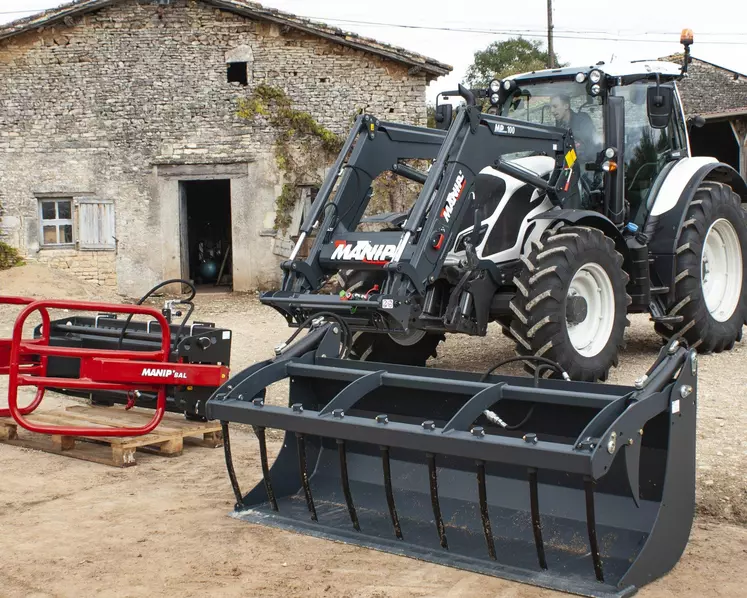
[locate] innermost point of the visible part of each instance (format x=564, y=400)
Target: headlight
x=609, y=153
x=507, y=85
x=580, y=77
x=595, y=76
x=495, y=98
x=596, y=89
x=495, y=86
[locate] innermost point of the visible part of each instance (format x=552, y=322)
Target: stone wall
x=96, y=105
x=98, y=267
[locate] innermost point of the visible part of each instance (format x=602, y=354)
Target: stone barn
x=719, y=95
x=142, y=140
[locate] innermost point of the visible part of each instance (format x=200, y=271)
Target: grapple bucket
x=589, y=488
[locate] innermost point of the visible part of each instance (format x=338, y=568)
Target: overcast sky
x=643, y=29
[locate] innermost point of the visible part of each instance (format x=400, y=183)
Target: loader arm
x=412, y=258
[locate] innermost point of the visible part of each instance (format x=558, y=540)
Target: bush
x=9, y=256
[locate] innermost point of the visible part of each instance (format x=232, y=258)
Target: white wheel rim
x=721, y=270
x=590, y=335
x=407, y=339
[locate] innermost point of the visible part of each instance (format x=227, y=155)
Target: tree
x=501, y=59
x=431, y=112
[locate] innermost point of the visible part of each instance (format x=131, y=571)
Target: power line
x=525, y=32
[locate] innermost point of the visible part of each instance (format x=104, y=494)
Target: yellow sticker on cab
x=570, y=158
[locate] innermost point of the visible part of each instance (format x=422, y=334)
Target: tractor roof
x=613, y=69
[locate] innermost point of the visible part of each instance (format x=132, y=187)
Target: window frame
x=57, y=222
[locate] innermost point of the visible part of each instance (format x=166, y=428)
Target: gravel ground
x=161, y=528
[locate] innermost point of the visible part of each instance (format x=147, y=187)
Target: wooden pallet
x=167, y=439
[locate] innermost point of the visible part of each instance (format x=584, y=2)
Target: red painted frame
x=25, y=362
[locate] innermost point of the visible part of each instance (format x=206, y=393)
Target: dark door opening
x=206, y=233
x=716, y=139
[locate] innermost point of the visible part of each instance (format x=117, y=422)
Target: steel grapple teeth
x=404, y=460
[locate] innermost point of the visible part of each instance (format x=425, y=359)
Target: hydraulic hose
x=347, y=336
x=143, y=299
x=543, y=364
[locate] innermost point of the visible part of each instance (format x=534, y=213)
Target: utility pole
x=550, y=51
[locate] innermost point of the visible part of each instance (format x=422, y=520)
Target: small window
x=56, y=222
x=238, y=73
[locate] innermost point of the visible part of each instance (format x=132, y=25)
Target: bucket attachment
x=584, y=488
x=49, y=363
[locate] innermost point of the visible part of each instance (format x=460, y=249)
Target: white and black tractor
x=588, y=206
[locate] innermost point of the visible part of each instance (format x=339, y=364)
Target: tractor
x=572, y=201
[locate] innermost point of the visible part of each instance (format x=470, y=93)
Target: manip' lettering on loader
x=162, y=373
x=363, y=251
x=453, y=197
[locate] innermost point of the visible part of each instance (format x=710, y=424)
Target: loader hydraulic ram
x=153, y=367
x=582, y=487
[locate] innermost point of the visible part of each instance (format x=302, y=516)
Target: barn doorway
x=206, y=233
x=716, y=139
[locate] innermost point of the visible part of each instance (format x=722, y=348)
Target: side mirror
x=444, y=113
x=660, y=103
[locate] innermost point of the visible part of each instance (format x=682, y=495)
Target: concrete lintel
x=203, y=171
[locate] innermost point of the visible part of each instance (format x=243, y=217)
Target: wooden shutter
x=96, y=224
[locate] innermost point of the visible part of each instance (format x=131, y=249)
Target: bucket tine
x=260, y=432
x=591, y=524
x=301, y=441
x=484, y=515
x=536, y=523
x=434, y=500
x=389, y=493
x=229, y=465
x=346, y=484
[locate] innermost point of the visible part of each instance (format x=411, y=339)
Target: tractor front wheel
x=407, y=348
x=571, y=305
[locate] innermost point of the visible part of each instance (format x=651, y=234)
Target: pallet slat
x=166, y=440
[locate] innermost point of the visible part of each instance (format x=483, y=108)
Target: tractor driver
x=579, y=122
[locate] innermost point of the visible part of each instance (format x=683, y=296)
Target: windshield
x=564, y=104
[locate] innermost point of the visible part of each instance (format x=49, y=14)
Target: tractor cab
x=627, y=122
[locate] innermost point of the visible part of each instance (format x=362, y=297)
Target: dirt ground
x=73, y=528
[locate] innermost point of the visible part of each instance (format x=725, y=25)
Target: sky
x=586, y=31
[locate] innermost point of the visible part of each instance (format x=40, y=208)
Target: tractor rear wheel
x=411, y=348
x=571, y=305
x=710, y=291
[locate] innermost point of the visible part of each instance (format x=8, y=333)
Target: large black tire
x=703, y=330
x=413, y=349
x=570, y=263
x=373, y=346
